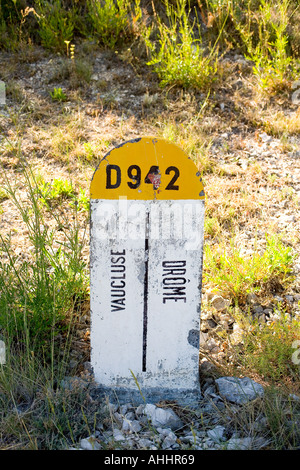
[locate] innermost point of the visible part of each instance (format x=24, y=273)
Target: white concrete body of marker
x=146, y=251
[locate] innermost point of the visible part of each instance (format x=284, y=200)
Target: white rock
x=90, y=443
x=217, y=433
x=242, y=443
x=118, y=435
x=162, y=417
x=209, y=294
x=145, y=443
x=265, y=137
x=169, y=441
x=239, y=390
x=140, y=410
x=124, y=409
x=118, y=418
x=131, y=426
x=237, y=334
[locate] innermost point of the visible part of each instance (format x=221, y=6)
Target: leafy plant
x=268, y=348
x=58, y=190
x=56, y=24
x=264, y=34
x=58, y=95
x=38, y=292
x=237, y=274
x=179, y=57
x=113, y=20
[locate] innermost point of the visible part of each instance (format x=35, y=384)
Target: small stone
x=110, y=408
x=239, y=390
x=252, y=298
x=260, y=425
x=118, y=418
x=260, y=442
x=118, y=435
x=209, y=391
x=88, y=367
x=265, y=137
x=73, y=363
x=219, y=303
x=217, y=434
x=123, y=409
x=268, y=311
x=145, y=443
x=162, y=417
x=169, y=440
x=262, y=318
x=207, y=368
x=90, y=443
x=209, y=295
x=130, y=416
x=210, y=323
x=131, y=426
x=243, y=443
x=203, y=338
x=257, y=309
x=237, y=335
x=140, y=410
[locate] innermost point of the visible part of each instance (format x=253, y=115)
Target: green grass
x=37, y=412
x=237, y=274
x=268, y=348
x=39, y=294
x=113, y=21
x=58, y=191
x=55, y=23
x=178, y=53
x=268, y=48
x=179, y=56
x=58, y=95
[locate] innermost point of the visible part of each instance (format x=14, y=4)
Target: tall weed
x=39, y=292
x=56, y=24
x=268, y=348
x=113, y=20
x=237, y=274
x=265, y=38
x=179, y=56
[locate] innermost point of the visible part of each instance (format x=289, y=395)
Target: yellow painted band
x=147, y=169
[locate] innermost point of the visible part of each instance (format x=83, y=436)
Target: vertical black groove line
x=145, y=312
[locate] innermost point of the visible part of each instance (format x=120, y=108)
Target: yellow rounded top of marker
x=144, y=169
